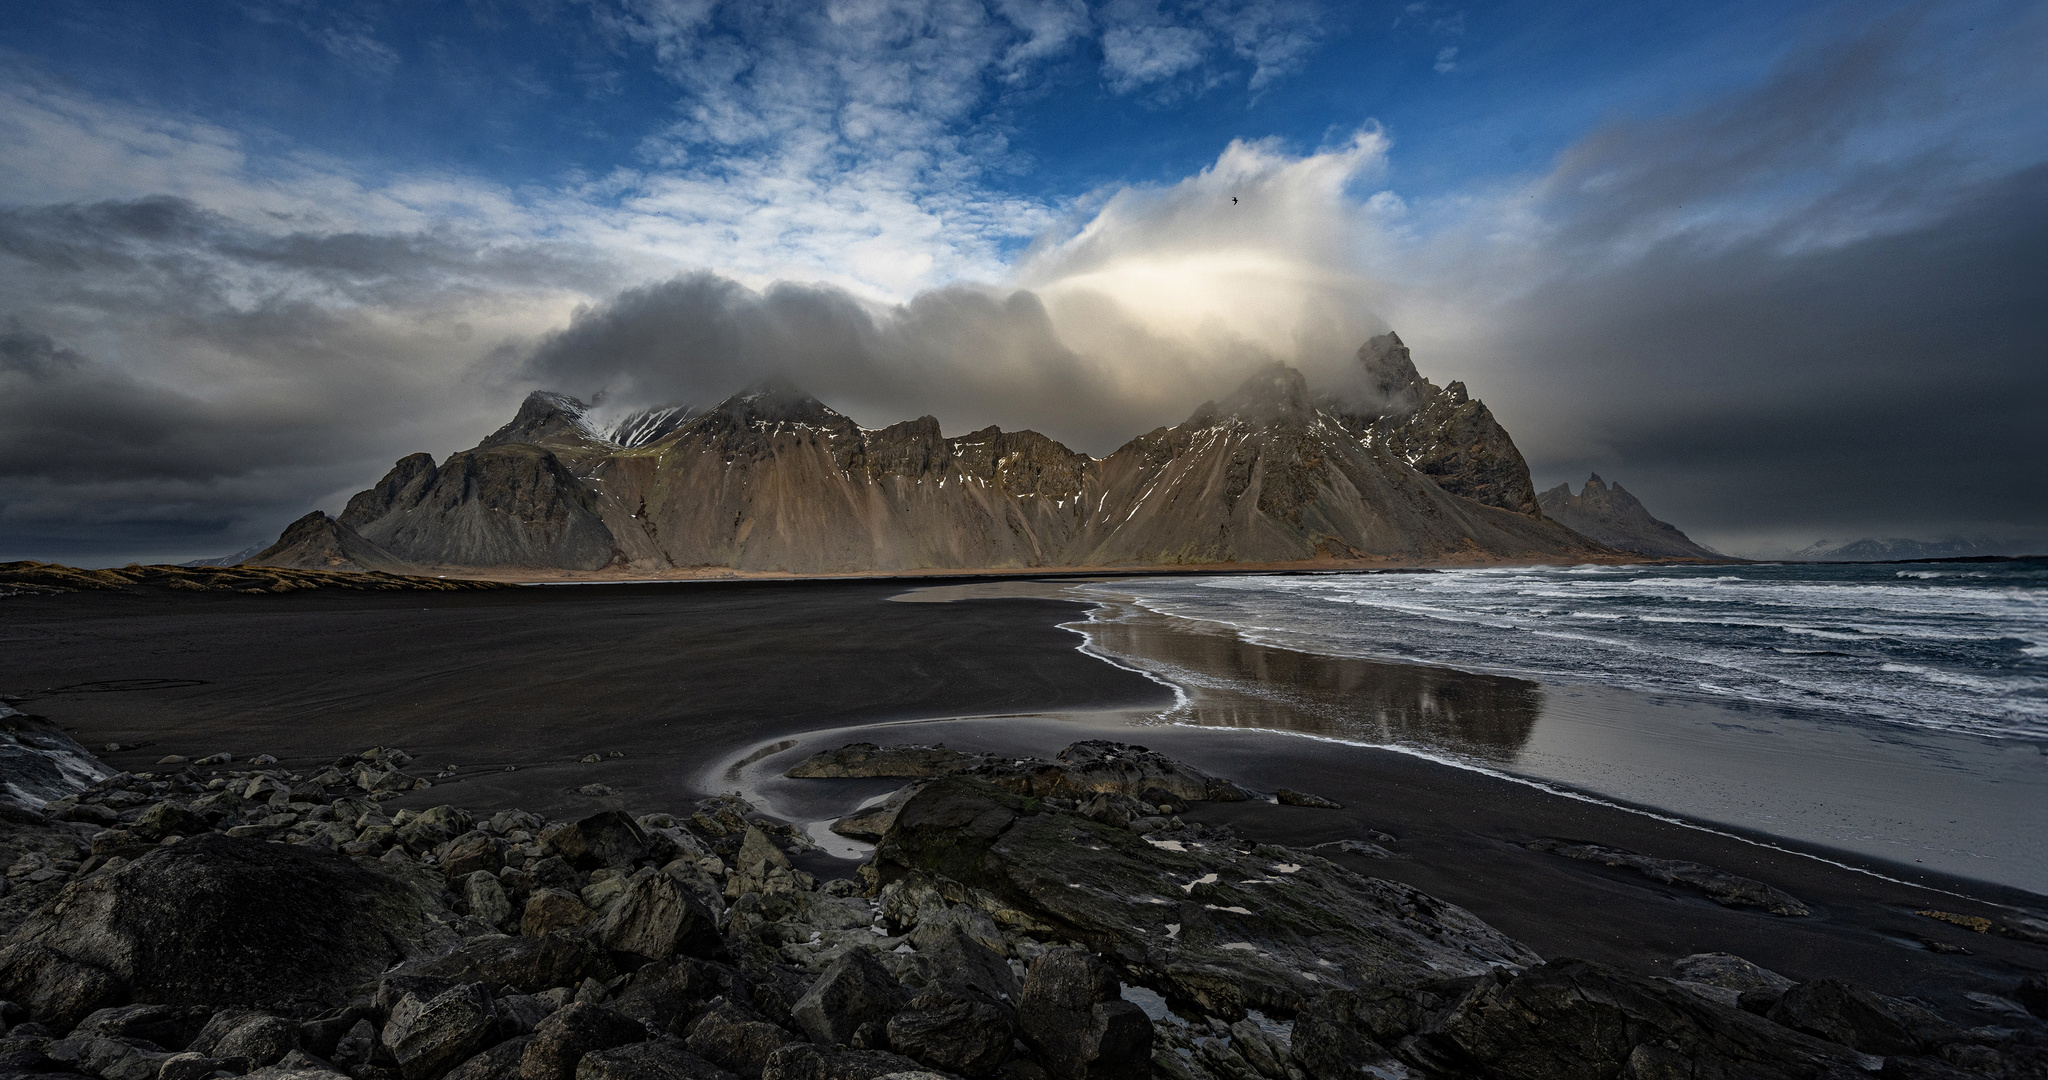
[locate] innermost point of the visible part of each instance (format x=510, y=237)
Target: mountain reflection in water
x=1235, y=683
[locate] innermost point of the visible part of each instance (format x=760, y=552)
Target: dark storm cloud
x=970, y=356
x=169, y=372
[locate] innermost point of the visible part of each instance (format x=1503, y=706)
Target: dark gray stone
x=530, y=964
x=657, y=1059
x=560, y=1041
x=802, y=1061
x=855, y=990
x=429, y=1036
x=655, y=918
x=500, y=1062
x=214, y=921
x=737, y=1039
x=953, y=1034
x=1073, y=1014
x=1845, y=1013
x=610, y=839
x=259, y=1039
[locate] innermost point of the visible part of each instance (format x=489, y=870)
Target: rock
x=168, y=819
x=298, y=1065
x=522, y=1013
x=357, y=1046
x=658, y=1059
x=486, y=897
x=1202, y=921
x=191, y=1066
x=1848, y=1014
x=472, y=853
x=168, y=1026
x=1355, y=847
x=737, y=1039
x=1725, y=977
x=500, y=1062
x=1098, y=766
x=1073, y=1014
x=870, y=823
x=869, y=760
x=1721, y=887
x=259, y=1039
x=430, y=1036
x=1563, y=1020
x=801, y=1061
x=55, y=987
x=854, y=991
x=610, y=839
x=953, y=1034
x=110, y=1059
x=2033, y=994
x=656, y=919
x=1303, y=798
x=549, y=910
x=214, y=921
x=560, y=1041
x=432, y=828
x=529, y=964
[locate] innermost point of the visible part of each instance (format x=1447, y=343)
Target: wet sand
x=685, y=680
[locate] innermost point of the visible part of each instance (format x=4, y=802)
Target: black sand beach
x=675, y=678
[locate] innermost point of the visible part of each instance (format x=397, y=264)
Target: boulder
x=500, y=1062
x=854, y=991
x=955, y=960
x=167, y=818
x=657, y=1059
x=1287, y=797
x=1073, y=1013
x=529, y=964
x=357, y=1046
x=215, y=921
x=656, y=919
x=549, y=910
x=432, y=828
x=429, y=1036
x=110, y=1059
x=191, y=1066
x=737, y=1039
x=168, y=1026
x=486, y=898
x=560, y=1041
x=1726, y=889
x=1848, y=1014
x=298, y=1065
x=871, y=822
x=953, y=1034
x=1725, y=977
x=258, y=1039
x=609, y=839
x=1202, y=920
x=2032, y=994
x=472, y=853
x=802, y=1061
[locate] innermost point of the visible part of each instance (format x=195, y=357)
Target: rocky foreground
x=1028, y=920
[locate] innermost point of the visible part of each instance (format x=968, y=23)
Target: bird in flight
x=1233, y=200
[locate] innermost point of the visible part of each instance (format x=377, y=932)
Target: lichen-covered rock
x=258, y=1039
x=737, y=1039
x=1073, y=1013
x=561, y=1040
x=802, y=1061
x=214, y=921
x=1224, y=925
x=854, y=991
x=656, y=919
x=485, y=895
x=1848, y=1014
x=500, y=1062
x=953, y=1034
x=609, y=839
x=530, y=964
x=656, y=1059
x=549, y=910
x=430, y=1036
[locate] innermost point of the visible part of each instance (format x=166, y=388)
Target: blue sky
x=1758, y=261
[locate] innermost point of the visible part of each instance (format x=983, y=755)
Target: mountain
x=1895, y=549
x=319, y=542
x=1618, y=519
x=227, y=560
x=773, y=479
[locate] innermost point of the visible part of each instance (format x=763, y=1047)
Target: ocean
x=1896, y=711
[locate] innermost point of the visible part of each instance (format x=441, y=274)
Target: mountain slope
x=772, y=479
x=319, y=542
x=1618, y=519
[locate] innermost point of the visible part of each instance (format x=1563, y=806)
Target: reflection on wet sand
x=1235, y=683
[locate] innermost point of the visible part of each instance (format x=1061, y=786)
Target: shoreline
x=539, y=678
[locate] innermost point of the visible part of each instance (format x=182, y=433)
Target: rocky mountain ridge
x=1612, y=516
x=772, y=479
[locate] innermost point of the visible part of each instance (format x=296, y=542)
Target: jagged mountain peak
x=1610, y=514
x=776, y=400
x=649, y=425
x=1276, y=393
x=547, y=416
